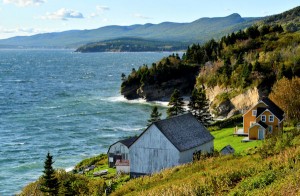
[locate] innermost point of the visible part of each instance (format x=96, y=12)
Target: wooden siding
x=253, y=132
x=248, y=118
x=277, y=126
x=187, y=156
x=152, y=152
x=117, y=149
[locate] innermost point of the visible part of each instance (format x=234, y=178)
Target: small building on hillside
x=119, y=151
x=167, y=143
x=262, y=119
x=227, y=150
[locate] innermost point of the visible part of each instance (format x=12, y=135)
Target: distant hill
x=131, y=45
x=198, y=31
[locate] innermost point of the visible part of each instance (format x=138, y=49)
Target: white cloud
x=102, y=8
x=21, y=30
x=23, y=3
x=137, y=15
x=99, y=10
x=62, y=14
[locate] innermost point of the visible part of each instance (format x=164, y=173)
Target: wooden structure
x=119, y=151
x=262, y=119
x=168, y=143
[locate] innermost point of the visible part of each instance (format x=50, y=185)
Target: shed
x=227, y=150
x=168, y=143
x=119, y=151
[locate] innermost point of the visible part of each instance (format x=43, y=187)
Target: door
x=261, y=134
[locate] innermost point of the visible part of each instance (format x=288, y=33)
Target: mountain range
x=198, y=31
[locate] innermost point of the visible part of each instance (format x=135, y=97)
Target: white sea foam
x=125, y=129
x=69, y=169
x=135, y=101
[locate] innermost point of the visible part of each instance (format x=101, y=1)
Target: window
x=254, y=112
x=263, y=118
x=270, y=129
x=271, y=118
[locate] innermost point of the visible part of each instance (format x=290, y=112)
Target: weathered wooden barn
x=119, y=151
x=168, y=143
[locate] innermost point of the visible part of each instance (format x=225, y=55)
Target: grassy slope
x=224, y=137
x=278, y=174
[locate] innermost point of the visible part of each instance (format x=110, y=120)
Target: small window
x=271, y=118
x=263, y=118
x=254, y=112
x=270, y=129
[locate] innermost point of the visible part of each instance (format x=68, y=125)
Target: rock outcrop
x=159, y=92
x=228, y=105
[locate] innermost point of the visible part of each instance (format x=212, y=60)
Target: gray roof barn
x=167, y=143
x=184, y=131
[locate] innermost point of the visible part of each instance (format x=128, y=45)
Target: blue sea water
x=66, y=103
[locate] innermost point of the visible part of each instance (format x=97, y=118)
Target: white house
x=168, y=143
x=119, y=151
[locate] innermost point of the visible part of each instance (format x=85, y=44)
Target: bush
x=232, y=121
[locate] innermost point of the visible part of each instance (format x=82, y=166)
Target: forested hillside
x=131, y=45
x=199, y=30
x=258, y=56
x=255, y=57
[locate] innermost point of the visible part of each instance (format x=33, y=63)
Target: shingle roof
x=264, y=125
x=260, y=111
x=184, y=131
x=274, y=108
x=129, y=141
x=227, y=150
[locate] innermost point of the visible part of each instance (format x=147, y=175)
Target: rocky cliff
x=159, y=92
x=226, y=102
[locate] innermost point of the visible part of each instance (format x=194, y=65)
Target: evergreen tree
x=155, y=115
x=176, y=103
x=50, y=183
x=199, y=106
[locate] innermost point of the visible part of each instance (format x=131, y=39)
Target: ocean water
x=66, y=103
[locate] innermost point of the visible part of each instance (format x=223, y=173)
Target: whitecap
x=135, y=101
x=68, y=169
x=129, y=128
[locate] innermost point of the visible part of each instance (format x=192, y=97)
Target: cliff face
x=159, y=92
x=233, y=103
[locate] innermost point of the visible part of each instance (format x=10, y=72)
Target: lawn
x=225, y=136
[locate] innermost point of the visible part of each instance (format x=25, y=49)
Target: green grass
x=253, y=174
x=225, y=136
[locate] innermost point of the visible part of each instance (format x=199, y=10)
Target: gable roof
x=127, y=142
x=184, y=131
x=227, y=150
x=260, y=111
x=279, y=113
x=261, y=123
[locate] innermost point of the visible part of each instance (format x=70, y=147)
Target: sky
x=28, y=17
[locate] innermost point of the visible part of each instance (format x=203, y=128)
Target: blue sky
x=27, y=17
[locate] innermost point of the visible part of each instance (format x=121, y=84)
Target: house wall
x=253, y=132
x=248, y=118
x=187, y=156
x=152, y=152
x=276, y=125
x=117, y=149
